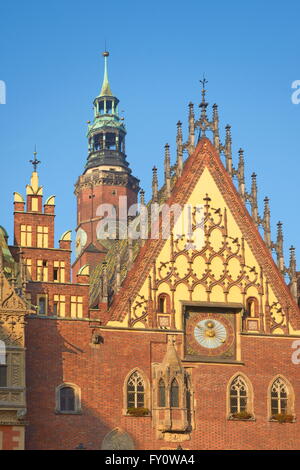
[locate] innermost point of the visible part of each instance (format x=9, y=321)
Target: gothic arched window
x=174, y=394
x=238, y=396
x=135, y=391
x=279, y=397
x=161, y=393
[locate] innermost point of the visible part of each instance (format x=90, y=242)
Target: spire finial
x=35, y=162
x=203, y=82
x=267, y=223
x=105, y=90
x=203, y=103
x=167, y=170
x=154, y=185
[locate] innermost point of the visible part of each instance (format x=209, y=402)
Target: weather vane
x=35, y=162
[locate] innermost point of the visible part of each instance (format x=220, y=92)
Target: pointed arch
x=174, y=393
x=117, y=439
x=252, y=307
x=136, y=390
x=281, y=397
x=161, y=393
x=240, y=397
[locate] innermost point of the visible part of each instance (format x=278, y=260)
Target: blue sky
x=52, y=65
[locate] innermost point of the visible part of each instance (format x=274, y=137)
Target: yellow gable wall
x=206, y=186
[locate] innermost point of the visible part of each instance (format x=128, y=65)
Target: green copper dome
x=106, y=134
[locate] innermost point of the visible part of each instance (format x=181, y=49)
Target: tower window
x=101, y=107
x=59, y=271
x=42, y=271
x=98, y=142
x=76, y=306
x=110, y=141
x=42, y=237
x=26, y=235
x=174, y=394
x=108, y=107
x=28, y=267
x=59, y=305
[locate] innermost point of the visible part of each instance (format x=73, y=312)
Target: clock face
x=210, y=335
x=81, y=239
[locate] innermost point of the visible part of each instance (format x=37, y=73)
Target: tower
x=106, y=178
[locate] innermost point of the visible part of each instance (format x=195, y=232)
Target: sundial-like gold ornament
x=210, y=334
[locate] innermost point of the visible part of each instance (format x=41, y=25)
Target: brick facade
x=69, y=356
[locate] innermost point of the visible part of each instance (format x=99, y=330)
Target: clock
x=209, y=335
x=81, y=239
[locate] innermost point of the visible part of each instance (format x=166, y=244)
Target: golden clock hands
x=200, y=328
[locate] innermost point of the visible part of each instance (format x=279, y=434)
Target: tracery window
x=161, y=393
x=238, y=395
x=279, y=397
x=135, y=391
x=174, y=394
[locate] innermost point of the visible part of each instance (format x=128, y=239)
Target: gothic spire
x=154, y=185
x=167, y=170
x=105, y=90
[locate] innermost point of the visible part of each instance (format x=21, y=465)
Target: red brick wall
x=68, y=290
x=34, y=219
x=11, y=437
x=60, y=351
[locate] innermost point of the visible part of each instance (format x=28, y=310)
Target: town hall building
x=184, y=340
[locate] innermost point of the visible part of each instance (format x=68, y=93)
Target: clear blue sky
x=51, y=62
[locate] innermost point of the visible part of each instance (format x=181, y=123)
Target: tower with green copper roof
x=107, y=179
x=106, y=135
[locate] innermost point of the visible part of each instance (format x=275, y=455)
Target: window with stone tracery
x=238, y=396
x=135, y=391
x=279, y=397
x=174, y=394
x=161, y=393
